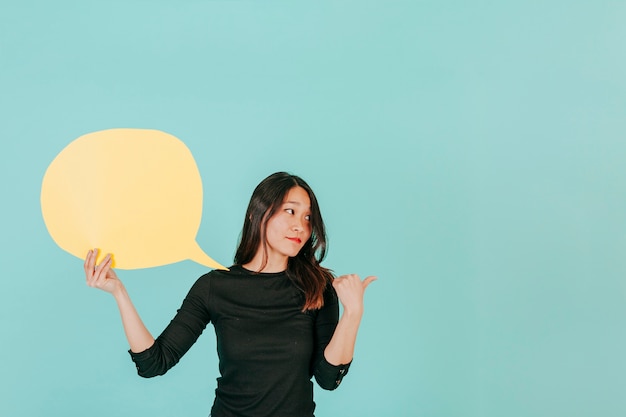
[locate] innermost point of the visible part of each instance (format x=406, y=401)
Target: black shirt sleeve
x=182, y=332
x=327, y=376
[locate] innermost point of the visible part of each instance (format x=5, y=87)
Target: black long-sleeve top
x=268, y=348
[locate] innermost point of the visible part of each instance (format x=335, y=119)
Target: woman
x=275, y=311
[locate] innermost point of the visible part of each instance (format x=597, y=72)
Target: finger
x=346, y=277
x=101, y=270
x=89, y=266
x=91, y=269
x=367, y=281
x=104, y=265
x=88, y=260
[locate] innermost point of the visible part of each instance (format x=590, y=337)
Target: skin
x=287, y=231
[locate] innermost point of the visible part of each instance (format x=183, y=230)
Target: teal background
x=470, y=153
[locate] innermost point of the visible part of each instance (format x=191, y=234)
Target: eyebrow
x=294, y=202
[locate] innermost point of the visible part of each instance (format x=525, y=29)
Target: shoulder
x=219, y=275
x=203, y=284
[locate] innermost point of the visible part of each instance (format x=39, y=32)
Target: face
x=289, y=228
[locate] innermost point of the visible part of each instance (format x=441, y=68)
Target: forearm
x=340, y=349
x=138, y=336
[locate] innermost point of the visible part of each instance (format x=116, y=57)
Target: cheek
x=276, y=226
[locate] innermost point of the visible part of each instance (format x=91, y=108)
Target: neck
x=272, y=265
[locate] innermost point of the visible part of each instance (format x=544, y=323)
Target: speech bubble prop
x=135, y=193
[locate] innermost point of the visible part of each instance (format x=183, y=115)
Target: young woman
x=275, y=311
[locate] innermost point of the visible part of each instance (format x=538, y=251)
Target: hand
x=101, y=276
x=350, y=290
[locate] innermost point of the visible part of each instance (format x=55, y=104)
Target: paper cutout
x=135, y=193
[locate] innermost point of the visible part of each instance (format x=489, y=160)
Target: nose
x=297, y=225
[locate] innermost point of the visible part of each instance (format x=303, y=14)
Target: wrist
x=119, y=292
x=353, y=313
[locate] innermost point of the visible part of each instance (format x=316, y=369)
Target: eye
x=308, y=218
x=290, y=211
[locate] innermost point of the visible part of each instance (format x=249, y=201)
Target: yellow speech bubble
x=135, y=193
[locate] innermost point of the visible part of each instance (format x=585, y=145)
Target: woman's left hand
x=350, y=290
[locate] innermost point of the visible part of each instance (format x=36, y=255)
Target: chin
x=293, y=254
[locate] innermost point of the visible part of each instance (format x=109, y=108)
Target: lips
x=295, y=239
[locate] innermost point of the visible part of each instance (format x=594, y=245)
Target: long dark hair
x=304, y=269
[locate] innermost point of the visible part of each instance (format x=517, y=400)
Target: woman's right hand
x=101, y=276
